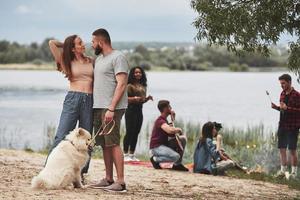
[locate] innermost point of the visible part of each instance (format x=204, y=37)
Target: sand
x=18, y=167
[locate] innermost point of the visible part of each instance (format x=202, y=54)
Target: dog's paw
x=84, y=187
x=79, y=185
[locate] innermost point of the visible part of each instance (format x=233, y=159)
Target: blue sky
x=126, y=20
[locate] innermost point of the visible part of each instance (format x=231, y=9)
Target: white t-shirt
x=106, y=69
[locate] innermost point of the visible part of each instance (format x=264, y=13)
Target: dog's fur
x=65, y=162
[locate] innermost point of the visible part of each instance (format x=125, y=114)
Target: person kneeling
x=167, y=142
x=207, y=158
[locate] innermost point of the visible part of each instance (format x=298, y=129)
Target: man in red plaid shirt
x=289, y=124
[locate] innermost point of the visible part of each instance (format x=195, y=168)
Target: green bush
x=235, y=67
x=146, y=65
x=37, y=62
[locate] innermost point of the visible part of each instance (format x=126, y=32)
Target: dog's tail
x=37, y=183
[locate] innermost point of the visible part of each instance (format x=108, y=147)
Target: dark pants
x=287, y=138
x=77, y=106
x=134, y=121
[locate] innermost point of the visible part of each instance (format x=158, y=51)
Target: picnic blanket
x=167, y=165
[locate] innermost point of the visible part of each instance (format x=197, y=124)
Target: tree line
x=188, y=57
x=203, y=57
x=13, y=52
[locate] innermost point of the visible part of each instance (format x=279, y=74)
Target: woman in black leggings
x=136, y=89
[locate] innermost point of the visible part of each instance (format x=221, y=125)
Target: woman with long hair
x=137, y=90
x=207, y=158
x=78, y=104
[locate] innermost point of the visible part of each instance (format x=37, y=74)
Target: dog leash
x=102, y=128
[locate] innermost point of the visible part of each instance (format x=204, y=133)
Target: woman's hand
x=223, y=156
x=149, y=98
x=139, y=99
x=57, y=43
x=57, y=51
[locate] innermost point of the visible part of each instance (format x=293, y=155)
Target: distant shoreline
x=27, y=66
x=52, y=67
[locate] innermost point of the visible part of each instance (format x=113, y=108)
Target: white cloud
x=24, y=9
x=132, y=7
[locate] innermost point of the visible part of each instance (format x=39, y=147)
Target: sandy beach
x=18, y=167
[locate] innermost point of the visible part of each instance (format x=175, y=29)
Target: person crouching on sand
x=162, y=145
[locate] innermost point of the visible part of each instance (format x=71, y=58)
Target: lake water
x=32, y=100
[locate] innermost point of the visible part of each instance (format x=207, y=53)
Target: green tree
x=135, y=59
x=249, y=25
x=143, y=51
x=4, y=45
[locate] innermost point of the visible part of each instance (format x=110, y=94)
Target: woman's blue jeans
x=77, y=107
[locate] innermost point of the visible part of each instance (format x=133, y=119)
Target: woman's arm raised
x=56, y=50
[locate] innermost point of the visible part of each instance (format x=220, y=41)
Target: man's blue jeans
x=77, y=106
x=164, y=153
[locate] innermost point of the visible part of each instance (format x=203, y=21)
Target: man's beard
x=98, y=50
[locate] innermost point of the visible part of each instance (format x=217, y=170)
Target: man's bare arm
x=170, y=129
x=119, y=91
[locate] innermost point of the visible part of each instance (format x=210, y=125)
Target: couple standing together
x=97, y=95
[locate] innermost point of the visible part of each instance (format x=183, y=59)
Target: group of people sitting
x=167, y=144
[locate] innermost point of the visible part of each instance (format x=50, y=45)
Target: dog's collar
x=71, y=143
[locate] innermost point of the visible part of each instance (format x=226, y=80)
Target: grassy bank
x=253, y=147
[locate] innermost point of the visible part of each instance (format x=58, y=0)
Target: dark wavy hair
x=68, y=55
x=131, y=78
x=207, y=131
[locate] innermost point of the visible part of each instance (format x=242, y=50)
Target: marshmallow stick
x=269, y=96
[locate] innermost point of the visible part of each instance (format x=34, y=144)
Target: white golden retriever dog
x=65, y=162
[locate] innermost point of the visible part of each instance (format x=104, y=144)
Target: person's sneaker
x=280, y=174
x=180, y=167
x=102, y=184
x=116, y=187
x=127, y=158
x=155, y=164
x=133, y=158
